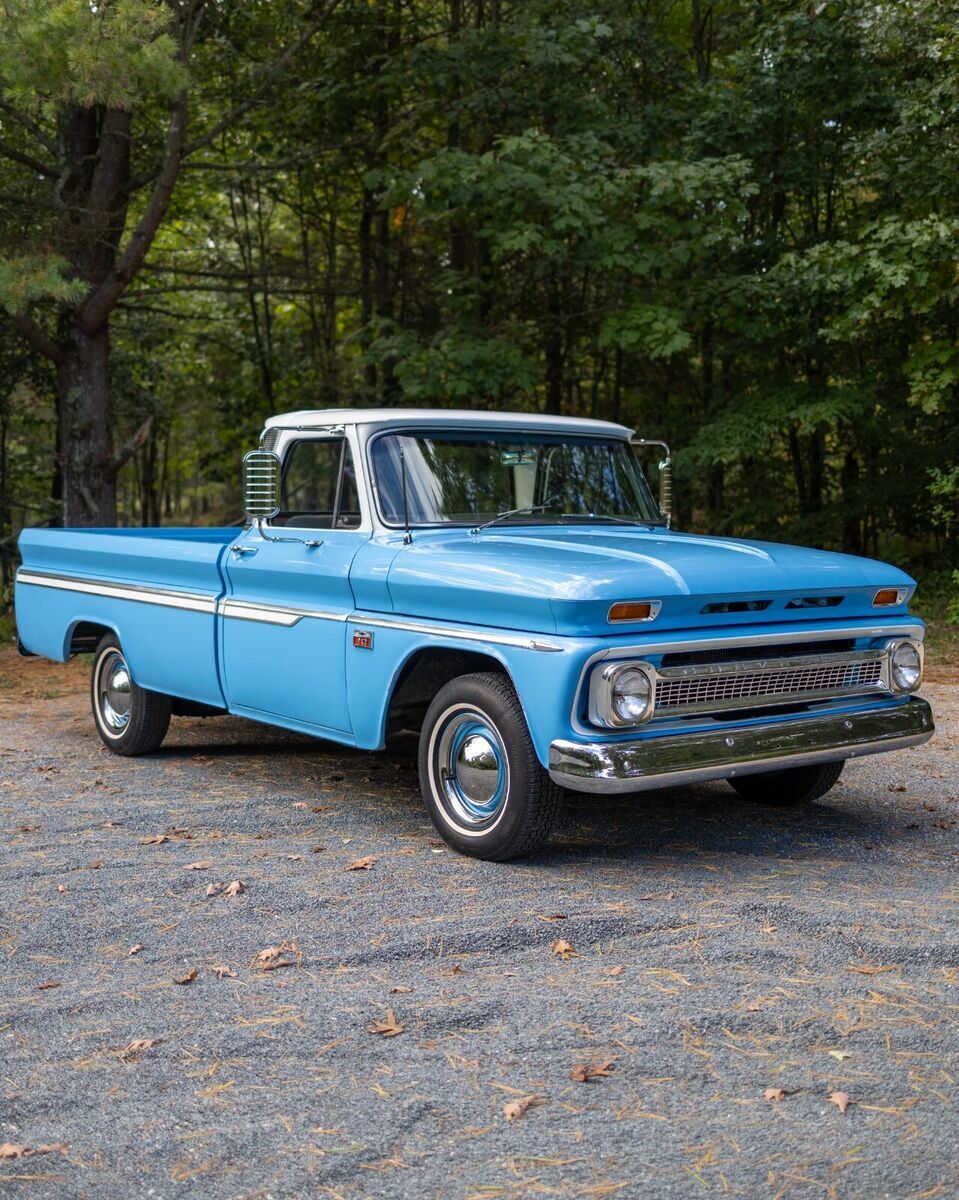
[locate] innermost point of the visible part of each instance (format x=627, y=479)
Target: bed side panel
x=167, y=631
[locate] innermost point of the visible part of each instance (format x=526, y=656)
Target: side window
x=318, y=489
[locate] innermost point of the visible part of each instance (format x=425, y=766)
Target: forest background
x=732, y=225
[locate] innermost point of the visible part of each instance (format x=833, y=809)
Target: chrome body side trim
x=525, y=641
x=166, y=597
x=687, y=758
x=274, y=614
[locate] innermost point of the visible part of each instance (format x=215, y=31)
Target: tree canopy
x=731, y=225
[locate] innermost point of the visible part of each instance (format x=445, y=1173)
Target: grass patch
x=937, y=602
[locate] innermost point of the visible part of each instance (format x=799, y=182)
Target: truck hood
x=562, y=579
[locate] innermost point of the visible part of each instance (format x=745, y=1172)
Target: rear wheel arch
x=83, y=637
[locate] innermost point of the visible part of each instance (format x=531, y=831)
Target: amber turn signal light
x=888, y=597
x=634, y=610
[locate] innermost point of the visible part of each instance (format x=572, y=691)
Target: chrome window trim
x=375, y=434
x=638, y=653
x=288, y=434
x=524, y=641
x=145, y=593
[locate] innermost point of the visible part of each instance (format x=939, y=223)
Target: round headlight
x=631, y=696
x=906, y=667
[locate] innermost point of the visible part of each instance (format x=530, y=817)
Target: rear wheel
x=483, y=785
x=782, y=789
x=129, y=719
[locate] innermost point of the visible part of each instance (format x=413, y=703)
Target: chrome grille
x=745, y=684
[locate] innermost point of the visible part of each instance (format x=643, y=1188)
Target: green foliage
x=739, y=235
x=61, y=52
x=29, y=278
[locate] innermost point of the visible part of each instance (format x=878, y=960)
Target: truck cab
x=507, y=585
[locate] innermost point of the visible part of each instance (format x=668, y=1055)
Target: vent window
x=734, y=606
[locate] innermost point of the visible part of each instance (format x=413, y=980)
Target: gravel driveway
x=716, y=950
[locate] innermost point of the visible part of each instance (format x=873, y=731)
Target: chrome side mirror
x=665, y=478
x=261, y=484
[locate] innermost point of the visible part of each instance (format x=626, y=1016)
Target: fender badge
x=363, y=639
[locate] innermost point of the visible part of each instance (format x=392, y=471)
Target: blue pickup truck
x=509, y=586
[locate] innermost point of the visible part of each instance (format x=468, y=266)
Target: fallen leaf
x=10, y=1150
x=867, y=970
x=155, y=839
x=317, y=849
x=294, y=858
x=562, y=948
x=400, y=990
x=554, y=917
x=236, y=888
x=271, y=959
x=61, y=887
x=614, y=971
x=50, y=983
x=135, y=949
x=138, y=1045
x=96, y=864
x=390, y=1027
x=188, y=977
x=839, y=1055
x=362, y=864
x=774, y=1094
x=514, y=1109
x=840, y=1099
x=584, y=1072
x=768, y=929
x=300, y=804
x=212, y=888
x=203, y=865
x=222, y=972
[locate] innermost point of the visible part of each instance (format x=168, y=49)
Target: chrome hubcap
x=114, y=692
x=473, y=771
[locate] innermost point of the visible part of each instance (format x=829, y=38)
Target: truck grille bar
x=749, y=684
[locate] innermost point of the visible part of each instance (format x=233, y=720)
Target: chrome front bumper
x=676, y=759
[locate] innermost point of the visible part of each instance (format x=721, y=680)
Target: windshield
x=469, y=478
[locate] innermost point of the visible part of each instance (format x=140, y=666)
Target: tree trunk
x=83, y=412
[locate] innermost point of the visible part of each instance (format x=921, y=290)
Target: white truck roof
x=442, y=417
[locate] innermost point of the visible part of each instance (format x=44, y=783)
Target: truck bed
x=161, y=585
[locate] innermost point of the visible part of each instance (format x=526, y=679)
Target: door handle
x=238, y=549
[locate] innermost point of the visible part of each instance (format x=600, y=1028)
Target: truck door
x=284, y=617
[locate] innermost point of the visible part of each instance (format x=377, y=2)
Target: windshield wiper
x=616, y=520
x=515, y=512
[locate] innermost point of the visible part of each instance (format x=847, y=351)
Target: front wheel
x=483, y=785
x=129, y=719
x=782, y=789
